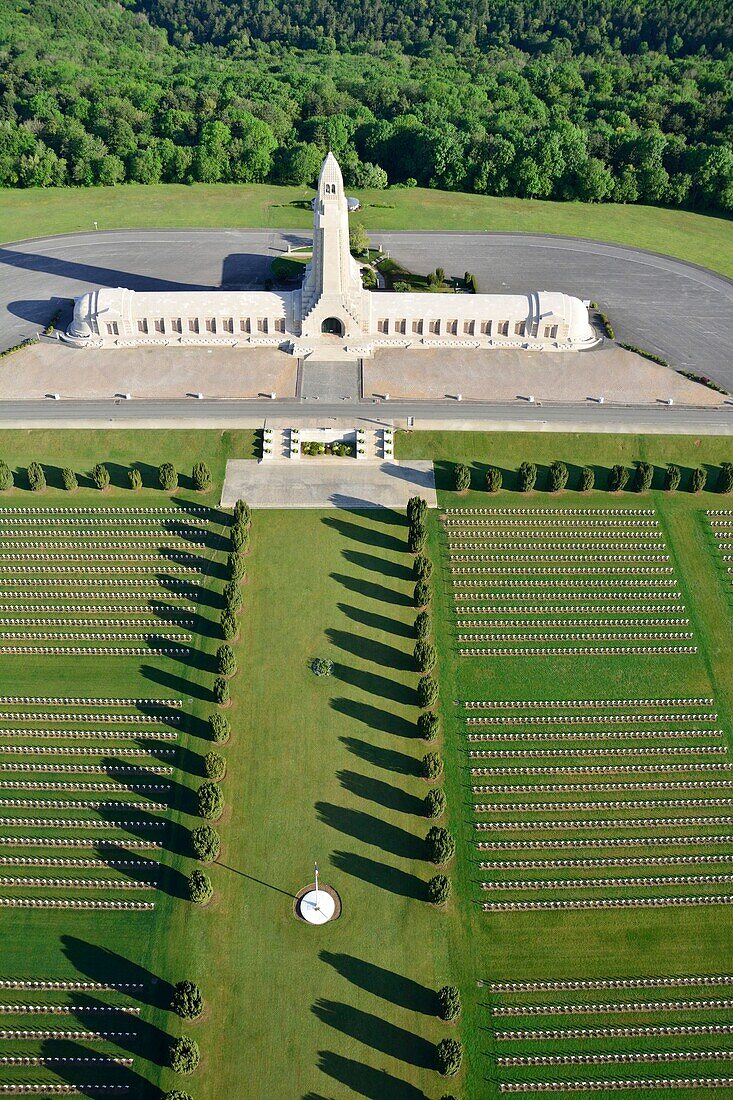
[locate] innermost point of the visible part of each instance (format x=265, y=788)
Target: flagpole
x=316, y=867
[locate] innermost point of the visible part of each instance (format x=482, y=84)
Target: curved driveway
x=678, y=310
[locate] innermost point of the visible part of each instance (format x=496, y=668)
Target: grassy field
x=327, y=770
x=36, y=213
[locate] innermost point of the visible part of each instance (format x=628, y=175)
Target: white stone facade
x=332, y=310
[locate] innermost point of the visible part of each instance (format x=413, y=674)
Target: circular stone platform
x=329, y=904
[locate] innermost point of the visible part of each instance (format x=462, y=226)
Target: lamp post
x=316, y=874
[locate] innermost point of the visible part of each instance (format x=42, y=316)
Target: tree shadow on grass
x=372, y=590
x=384, y=794
x=373, y=1031
x=377, y=622
x=376, y=1084
x=176, y=683
x=389, y=759
x=171, y=615
x=375, y=684
x=200, y=594
x=101, y=964
x=383, y=983
x=113, y=1078
x=385, y=566
x=391, y=879
x=367, y=533
x=375, y=718
x=372, y=830
x=370, y=650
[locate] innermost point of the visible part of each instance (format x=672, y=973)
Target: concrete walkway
x=328, y=483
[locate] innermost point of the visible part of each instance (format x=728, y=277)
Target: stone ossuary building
x=331, y=309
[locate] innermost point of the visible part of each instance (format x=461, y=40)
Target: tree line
x=556, y=103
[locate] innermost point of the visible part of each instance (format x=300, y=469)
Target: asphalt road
x=680, y=311
x=215, y=414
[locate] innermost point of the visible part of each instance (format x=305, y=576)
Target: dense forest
x=565, y=99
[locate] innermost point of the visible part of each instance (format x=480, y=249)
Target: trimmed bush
x=557, y=477
x=440, y=844
x=200, y=889
x=68, y=477
x=421, y=595
x=423, y=624
x=672, y=477
x=100, y=476
x=228, y=625
x=201, y=477
x=240, y=539
x=462, y=477
x=322, y=666
x=220, y=728
x=417, y=537
x=237, y=568
x=617, y=478
x=422, y=568
x=135, y=478
x=221, y=691
x=644, y=476
x=428, y=725
x=226, y=662
x=232, y=596
x=210, y=801
x=527, y=477
x=725, y=478
x=214, y=765
x=36, y=477
x=698, y=479
x=6, y=476
x=439, y=889
x=167, y=477
x=448, y=1056
x=494, y=479
x=176, y=1094
x=587, y=479
x=431, y=765
x=449, y=1003
x=427, y=692
x=184, y=1055
x=425, y=655
x=416, y=510
x=187, y=1001
x=434, y=802
x=205, y=843
x=242, y=513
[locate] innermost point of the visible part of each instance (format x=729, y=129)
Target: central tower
x=332, y=294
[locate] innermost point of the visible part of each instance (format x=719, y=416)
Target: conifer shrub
x=205, y=843
x=167, y=477
x=184, y=1055
x=69, y=479
x=438, y=889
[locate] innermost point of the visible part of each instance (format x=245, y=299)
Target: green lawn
x=699, y=238
x=326, y=769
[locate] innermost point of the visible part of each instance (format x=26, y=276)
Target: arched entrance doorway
x=331, y=326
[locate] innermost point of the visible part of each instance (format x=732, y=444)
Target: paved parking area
x=328, y=483
x=678, y=310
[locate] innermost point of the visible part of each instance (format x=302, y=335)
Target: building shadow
x=373, y=1031
x=383, y=983
x=372, y=830
x=93, y=275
